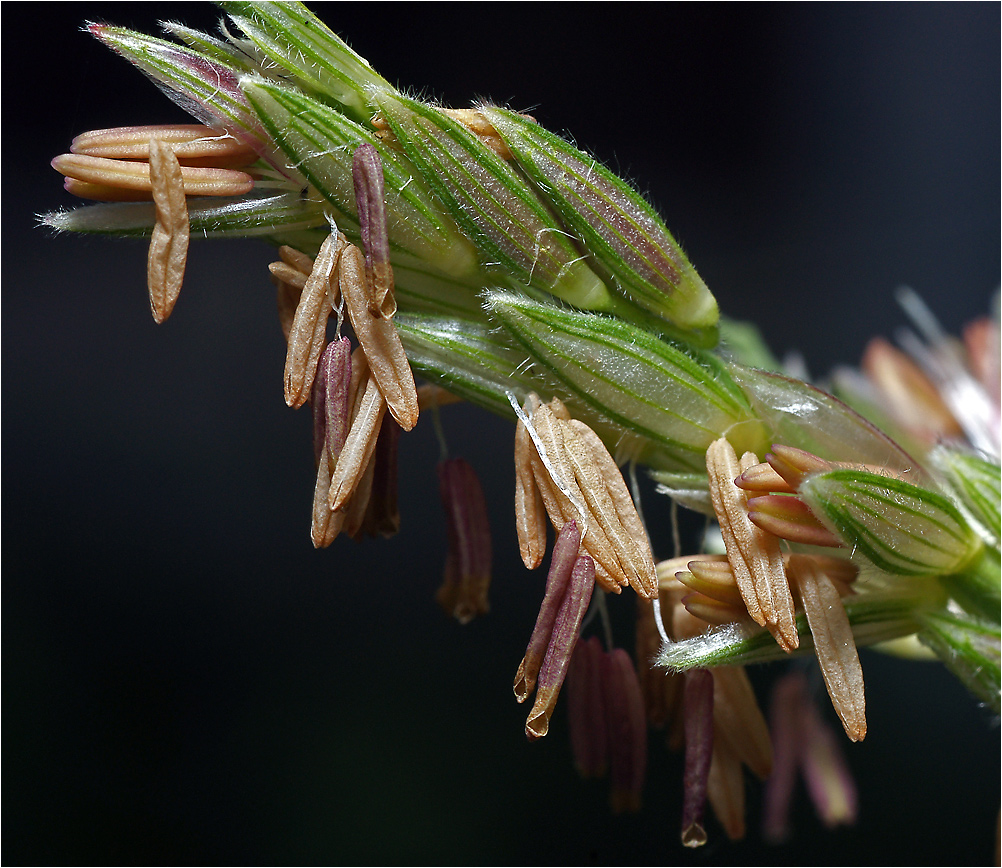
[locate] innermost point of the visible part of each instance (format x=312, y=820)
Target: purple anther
x=627, y=732
x=566, y=627
x=465, y=590
x=586, y=709
x=330, y=399
x=565, y=553
x=698, y=718
x=367, y=174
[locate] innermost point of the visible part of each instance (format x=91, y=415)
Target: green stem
x=977, y=589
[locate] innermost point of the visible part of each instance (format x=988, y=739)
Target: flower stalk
x=507, y=268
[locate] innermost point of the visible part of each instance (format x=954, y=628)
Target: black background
x=186, y=680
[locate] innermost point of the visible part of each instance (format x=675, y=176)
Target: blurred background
x=187, y=681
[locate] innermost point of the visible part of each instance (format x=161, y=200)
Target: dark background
x=186, y=680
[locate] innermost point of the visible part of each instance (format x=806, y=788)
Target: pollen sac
x=169, y=241
x=367, y=174
x=698, y=717
x=790, y=518
x=586, y=709
x=627, y=725
x=618, y=227
x=468, y=564
x=560, y=647
x=565, y=554
x=803, y=742
x=382, y=514
x=106, y=179
x=331, y=400
x=192, y=144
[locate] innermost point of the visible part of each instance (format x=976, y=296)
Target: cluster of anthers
x=563, y=470
x=164, y=164
x=565, y=475
x=350, y=392
x=756, y=581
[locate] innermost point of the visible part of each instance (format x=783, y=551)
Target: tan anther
x=359, y=445
x=910, y=396
x=327, y=524
x=169, y=242
x=595, y=541
x=383, y=132
x=104, y=192
x=834, y=645
x=308, y=334
x=483, y=129
x=358, y=477
x=550, y=433
x=530, y=511
x=738, y=719
x=626, y=509
x=725, y=790
x=193, y=144
x=667, y=569
x=358, y=503
x=632, y=550
x=296, y=258
x=429, y=395
x=603, y=577
x=767, y=566
x=359, y=377
x=794, y=464
x=713, y=578
x=559, y=409
x=722, y=467
x=762, y=477
x=382, y=515
x=287, y=274
x=287, y=300
x=561, y=510
x=753, y=553
x=135, y=176
x=789, y=517
x=378, y=337
x=714, y=611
